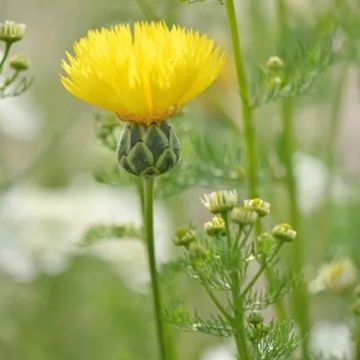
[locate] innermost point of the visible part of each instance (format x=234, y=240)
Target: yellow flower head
x=143, y=76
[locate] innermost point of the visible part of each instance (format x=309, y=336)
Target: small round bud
x=219, y=202
x=260, y=206
x=184, y=236
x=255, y=318
x=215, y=226
x=197, y=251
x=275, y=63
x=284, y=232
x=19, y=62
x=11, y=32
x=243, y=215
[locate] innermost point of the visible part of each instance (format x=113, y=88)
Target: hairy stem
x=149, y=230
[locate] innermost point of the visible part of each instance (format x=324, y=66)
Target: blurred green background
x=59, y=300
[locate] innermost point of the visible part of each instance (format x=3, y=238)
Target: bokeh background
x=61, y=300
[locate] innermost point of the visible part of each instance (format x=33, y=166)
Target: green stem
x=331, y=149
x=249, y=128
x=299, y=299
x=6, y=53
x=238, y=321
x=149, y=230
x=247, y=112
x=261, y=270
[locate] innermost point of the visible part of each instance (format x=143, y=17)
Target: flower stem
x=238, y=321
x=6, y=53
x=246, y=108
x=249, y=128
x=300, y=303
x=149, y=230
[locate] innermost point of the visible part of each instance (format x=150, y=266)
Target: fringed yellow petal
x=144, y=76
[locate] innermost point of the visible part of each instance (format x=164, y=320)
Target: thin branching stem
x=6, y=54
x=262, y=268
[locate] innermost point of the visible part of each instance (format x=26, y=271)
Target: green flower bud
x=184, y=236
x=260, y=206
x=197, y=251
x=243, y=215
x=215, y=226
x=19, y=62
x=284, y=232
x=255, y=318
x=11, y=32
x=148, y=151
x=219, y=202
x=275, y=63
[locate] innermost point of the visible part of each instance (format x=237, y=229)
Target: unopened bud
x=11, y=32
x=275, y=63
x=215, y=226
x=284, y=232
x=184, y=236
x=243, y=215
x=260, y=206
x=197, y=251
x=19, y=62
x=255, y=318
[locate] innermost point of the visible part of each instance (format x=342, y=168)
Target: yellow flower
x=144, y=76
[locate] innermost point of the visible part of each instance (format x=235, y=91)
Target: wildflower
x=284, y=232
x=215, y=226
x=143, y=77
x=11, y=32
x=184, y=236
x=19, y=62
x=244, y=215
x=220, y=201
x=260, y=206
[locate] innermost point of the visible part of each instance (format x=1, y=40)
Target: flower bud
x=220, y=201
x=276, y=81
x=148, y=151
x=197, y=251
x=184, y=236
x=255, y=318
x=243, y=215
x=19, y=62
x=11, y=32
x=260, y=206
x=284, y=232
x=275, y=63
x=215, y=226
